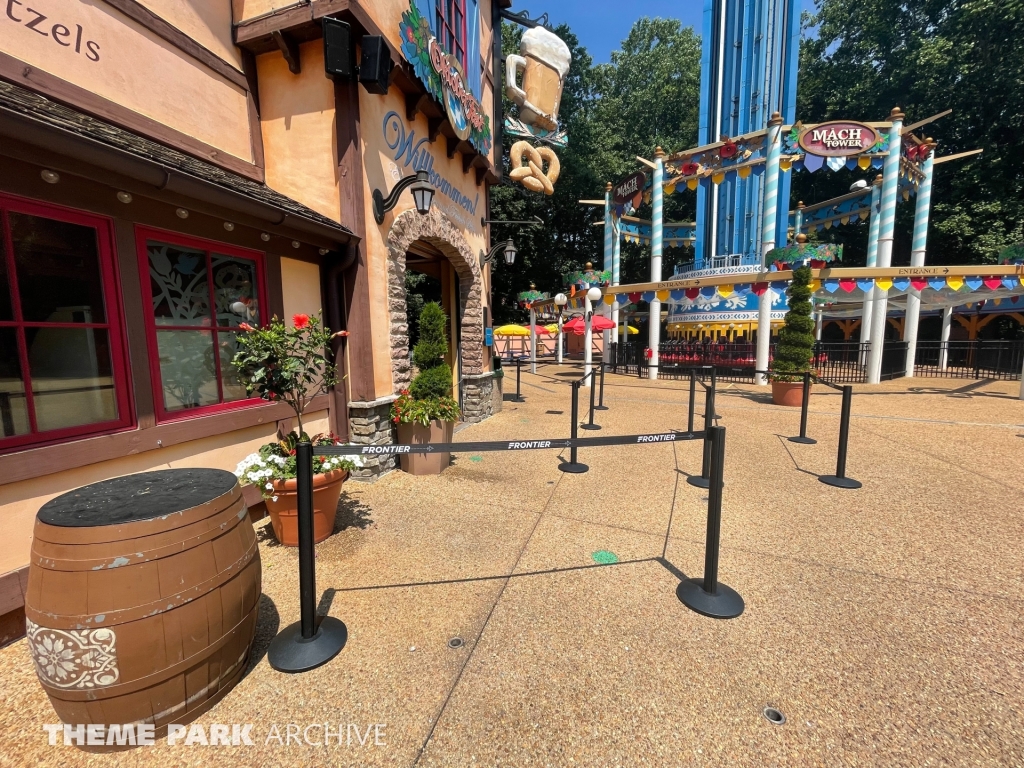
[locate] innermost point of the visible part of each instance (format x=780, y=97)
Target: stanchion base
x=698, y=481
x=840, y=482
x=726, y=603
x=573, y=469
x=600, y=407
x=289, y=652
x=803, y=440
x=590, y=426
x=518, y=399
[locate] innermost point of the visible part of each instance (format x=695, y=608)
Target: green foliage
x=288, y=364
x=276, y=461
x=796, y=339
x=429, y=395
x=927, y=56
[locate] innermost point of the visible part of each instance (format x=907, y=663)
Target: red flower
x=728, y=150
x=689, y=169
x=300, y=321
x=246, y=327
x=409, y=35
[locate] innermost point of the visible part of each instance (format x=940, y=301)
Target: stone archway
x=438, y=230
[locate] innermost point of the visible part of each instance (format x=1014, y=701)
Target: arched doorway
x=422, y=235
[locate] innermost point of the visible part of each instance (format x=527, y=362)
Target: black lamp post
x=509, y=249
x=422, y=195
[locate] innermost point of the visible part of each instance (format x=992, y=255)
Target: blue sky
x=602, y=24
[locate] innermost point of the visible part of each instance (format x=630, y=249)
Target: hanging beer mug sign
x=544, y=61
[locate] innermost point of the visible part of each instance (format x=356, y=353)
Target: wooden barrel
x=143, y=593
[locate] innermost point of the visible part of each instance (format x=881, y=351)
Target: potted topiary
x=290, y=365
x=795, y=349
x=426, y=412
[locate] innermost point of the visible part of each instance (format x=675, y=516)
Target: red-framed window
x=451, y=27
x=196, y=294
x=63, y=359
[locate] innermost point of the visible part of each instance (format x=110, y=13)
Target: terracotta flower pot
x=416, y=434
x=284, y=513
x=789, y=393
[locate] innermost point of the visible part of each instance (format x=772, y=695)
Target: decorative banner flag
x=864, y=284
x=937, y=283
x=829, y=223
x=993, y=282
x=1010, y=282
x=662, y=295
x=815, y=285
x=634, y=297
x=759, y=288
x=919, y=283
x=609, y=299
x=847, y=284
x=691, y=184
x=678, y=295
x=669, y=189
x=813, y=163
x=902, y=283
x=742, y=287
x=955, y=283
x=718, y=178
x=743, y=172
x=831, y=286
x=785, y=163
x=708, y=292
x=844, y=220
x=836, y=163
x=864, y=162
x=864, y=214
x=692, y=293
x=647, y=296
x=974, y=283
x=724, y=290
x=884, y=283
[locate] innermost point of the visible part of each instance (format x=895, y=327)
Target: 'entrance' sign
x=839, y=138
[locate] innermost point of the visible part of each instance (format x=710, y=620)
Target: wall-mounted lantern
x=422, y=195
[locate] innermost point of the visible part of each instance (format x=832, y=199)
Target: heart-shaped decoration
x=1010, y=282
x=937, y=283
x=974, y=283
x=678, y=295
x=647, y=296
x=993, y=282
x=634, y=297
x=831, y=285
x=692, y=293
x=955, y=283
x=662, y=295
x=901, y=283
x=865, y=285
x=847, y=284
x=919, y=283
x=814, y=285
x=759, y=288
x=724, y=290
x=742, y=287
x=708, y=292
x=884, y=283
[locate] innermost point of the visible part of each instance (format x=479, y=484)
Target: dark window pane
x=177, y=277
x=6, y=312
x=72, y=380
x=231, y=381
x=58, y=270
x=13, y=408
x=234, y=291
x=187, y=369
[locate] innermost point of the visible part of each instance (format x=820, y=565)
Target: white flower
x=273, y=498
x=269, y=486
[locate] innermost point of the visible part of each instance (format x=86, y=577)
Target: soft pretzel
x=532, y=175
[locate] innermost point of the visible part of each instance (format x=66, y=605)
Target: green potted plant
x=795, y=349
x=290, y=365
x=426, y=412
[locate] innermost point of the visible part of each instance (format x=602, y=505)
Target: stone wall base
x=370, y=424
x=478, y=397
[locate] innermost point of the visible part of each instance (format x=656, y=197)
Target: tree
x=796, y=338
x=434, y=379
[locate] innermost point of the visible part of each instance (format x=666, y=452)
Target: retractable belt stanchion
x=693, y=397
x=574, y=467
x=600, y=404
x=839, y=479
x=802, y=437
x=703, y=481
x=519, y=397
x=707, y=596
x=303, y=645
x=590, y=417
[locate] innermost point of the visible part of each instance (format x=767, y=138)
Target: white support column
x=770, y=207
x=617, y=234
x=947, y=325
x=871, y=261
x=588, y=339
x=533, y=340
x=606, y=263
x=886, y=228
x=657, y=220
x=559, y=338
x=817, y=326
x=917, y=254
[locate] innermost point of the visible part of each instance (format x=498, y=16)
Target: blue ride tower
x=748, y=71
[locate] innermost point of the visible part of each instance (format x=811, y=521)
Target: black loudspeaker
x=375, y=64
x=339, y=54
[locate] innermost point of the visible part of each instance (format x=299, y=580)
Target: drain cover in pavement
x=604, y=557
x=455, y=642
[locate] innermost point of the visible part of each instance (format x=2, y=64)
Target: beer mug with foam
x=544, y=63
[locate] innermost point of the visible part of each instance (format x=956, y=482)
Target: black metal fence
x=976, y=359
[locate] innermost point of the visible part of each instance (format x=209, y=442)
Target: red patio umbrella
x=541, y=330
x=597, y=323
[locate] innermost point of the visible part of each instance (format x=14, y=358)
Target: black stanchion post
x=303, y=645
x=707, y=596
x=574, y=467
x=839, y=479
x=802, y=437
x=600, y=404
x=693, y=397
x=714, y=391
x=709, y=414
x=519, y=396
x=590, y=417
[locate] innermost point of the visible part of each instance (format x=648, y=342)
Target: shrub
x=796, y=339
x=430, y=394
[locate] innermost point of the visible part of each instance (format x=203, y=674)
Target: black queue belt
x=559, y=443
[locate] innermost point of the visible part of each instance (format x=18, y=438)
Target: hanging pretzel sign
x=531, y=173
